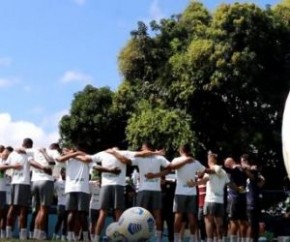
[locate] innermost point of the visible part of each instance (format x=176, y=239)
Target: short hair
x=54, y=146
x=2, y=147
x=149, y=145
x=27, y=143
x=186, y=148
x=245, y=157
x=9, y=148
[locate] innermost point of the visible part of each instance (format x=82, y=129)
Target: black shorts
x=237, y=210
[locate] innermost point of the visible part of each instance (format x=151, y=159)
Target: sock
x=70, y=235
x=158, y=235
x=92, y=237
x=36, y=233
x=42, y=235
x=209, y=240
x=176, y=237
x=86, y=236
x=233, y=238
x=23, y=234
x=244, y=239
x=248, y=239
x=3, y=234
x=63, y=238
x=226, y=239
x=192, y=237
x=97, y=238
x=8, y=232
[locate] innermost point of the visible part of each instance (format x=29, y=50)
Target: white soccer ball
x=113, y=233
x=137, y=224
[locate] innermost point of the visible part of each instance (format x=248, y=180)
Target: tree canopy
x=217, y=80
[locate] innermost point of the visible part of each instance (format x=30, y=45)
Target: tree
x=163, y=128
x=92, y=124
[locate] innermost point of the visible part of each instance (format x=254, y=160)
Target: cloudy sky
x=50, y=49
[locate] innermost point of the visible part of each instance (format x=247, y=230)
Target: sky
x=51, y=49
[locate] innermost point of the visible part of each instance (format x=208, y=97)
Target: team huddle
x=91, y=186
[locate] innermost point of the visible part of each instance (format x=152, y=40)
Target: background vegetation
x=218, y=80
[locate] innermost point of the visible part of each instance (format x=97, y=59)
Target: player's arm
x=114, y=170
x=147, y=153
x=67, y=156
x=45, y=169
x=16, y=166
x=162, y=173
x=192, y=183
x=49, y=159
x=261, y=181
x=123, y=159
x=174, y=165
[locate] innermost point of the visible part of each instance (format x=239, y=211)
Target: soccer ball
x=137, y=224
x=113, y=234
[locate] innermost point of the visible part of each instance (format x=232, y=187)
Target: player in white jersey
x=112, y=190
x=77, y=189
x=59, y=191
x=20, y=162
x=214, y=198
x=3, y=190
x=149, y=194
x=41, y=189
x=95, y=188
x=185, y=193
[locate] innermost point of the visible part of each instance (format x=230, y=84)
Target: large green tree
x=92, y=124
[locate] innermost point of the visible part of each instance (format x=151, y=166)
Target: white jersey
x=77, y=176
x=109, y=161
x=59, y=188
x=95, y=195
x=37, y=174
x=186, y=173
x=151, y=164
x=215, y=185
x=21, y=176
x=2, y=178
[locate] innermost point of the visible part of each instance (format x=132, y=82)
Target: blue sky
x=50, y=49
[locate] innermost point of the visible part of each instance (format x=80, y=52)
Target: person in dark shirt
x=236, y=200
x=255, y=181
x=168, y=189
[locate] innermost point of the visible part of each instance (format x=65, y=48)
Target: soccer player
x=95, y=188
x=214, y=198
x=20, y=162
x=255, y=182
x=3, y=197
x=149, y=193
x=236, y=200
x=42, y=190
x=185, y=194
x=113, y=183
x=59, y=191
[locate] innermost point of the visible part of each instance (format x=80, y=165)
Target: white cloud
x=76, y=76
x=4, y=82
x=155, y=11
x=80, y=2
x=13, y=132
x=5, y=61
x=7, y=82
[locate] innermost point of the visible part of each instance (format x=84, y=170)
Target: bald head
x=229, y=162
